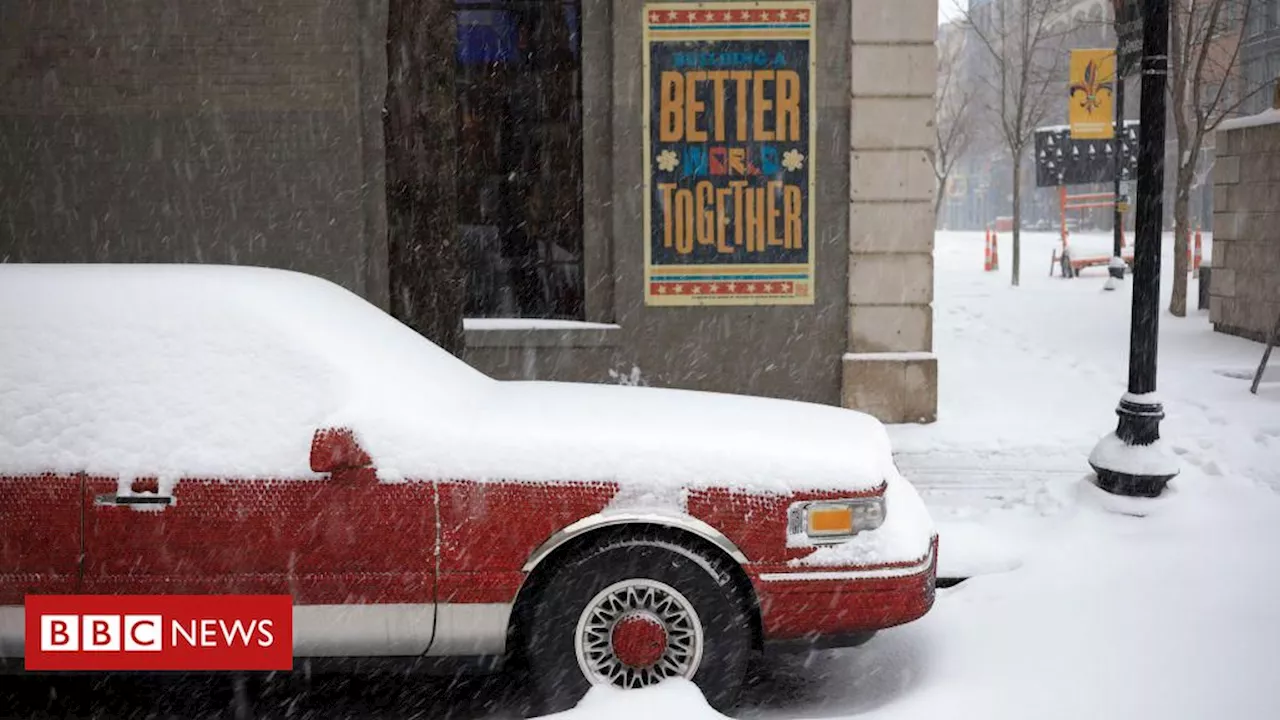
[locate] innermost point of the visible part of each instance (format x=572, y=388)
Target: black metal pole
x=1144, y=332
x=1120, y=470
x=1117, y=261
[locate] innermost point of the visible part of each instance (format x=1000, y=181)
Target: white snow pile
x=1266, y=117
x=532, y=324
x=673, y=698
x=1154, y=459
x=205, y=371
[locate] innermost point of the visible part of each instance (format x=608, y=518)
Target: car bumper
x=823, y=606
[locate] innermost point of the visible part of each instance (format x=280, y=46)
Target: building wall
x=781, y=351
x=228, y=132
x=1260, y=53
x=866, y=342
x=889, y=366
x=1245, y=284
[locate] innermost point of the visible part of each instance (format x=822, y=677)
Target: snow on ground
x=677, y=698
x=1083, y=605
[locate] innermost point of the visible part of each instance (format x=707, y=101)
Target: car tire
x=635, y=610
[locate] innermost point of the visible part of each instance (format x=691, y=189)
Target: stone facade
x=1245, y=284
x=249, y=131
x=889, y=368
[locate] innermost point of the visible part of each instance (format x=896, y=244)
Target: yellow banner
x=1091, y=108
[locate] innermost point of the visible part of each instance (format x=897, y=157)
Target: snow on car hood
x=642, y=436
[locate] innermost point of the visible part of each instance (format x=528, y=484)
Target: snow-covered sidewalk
x=1029, y=379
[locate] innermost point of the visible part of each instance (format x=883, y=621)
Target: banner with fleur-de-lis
x=728, y=146
x=1091, y=109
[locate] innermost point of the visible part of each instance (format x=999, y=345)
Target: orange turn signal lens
x=830, y=520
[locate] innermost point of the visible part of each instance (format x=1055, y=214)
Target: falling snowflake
x=667, y=161
x=793, y=160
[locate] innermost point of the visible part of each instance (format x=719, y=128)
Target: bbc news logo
x=145, y=633
x=159, y=632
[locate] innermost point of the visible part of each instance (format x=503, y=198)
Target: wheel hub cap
x=638, y=639
x=637, y=632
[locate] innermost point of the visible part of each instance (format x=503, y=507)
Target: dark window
x=519, y=86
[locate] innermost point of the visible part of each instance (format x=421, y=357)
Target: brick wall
x=1245, y=286
x=237, y=131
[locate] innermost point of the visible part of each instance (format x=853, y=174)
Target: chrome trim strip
x=608, y=519
x=471, y=629
x=876, y=573
x=362, y=630
x=13, y=628
x=400, y=630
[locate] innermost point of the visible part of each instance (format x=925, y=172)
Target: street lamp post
x=1131, y=461
x=1117, y=259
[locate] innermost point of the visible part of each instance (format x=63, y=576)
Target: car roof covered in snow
x=217, y=371
x=189, y=369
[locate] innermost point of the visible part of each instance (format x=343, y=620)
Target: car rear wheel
x=635, y=611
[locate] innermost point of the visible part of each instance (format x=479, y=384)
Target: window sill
x=530, y=333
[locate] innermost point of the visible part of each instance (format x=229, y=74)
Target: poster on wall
x=728, y=147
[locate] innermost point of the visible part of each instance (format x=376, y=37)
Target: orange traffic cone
x=995, y=250
x=1199, y=256
x=986, y=250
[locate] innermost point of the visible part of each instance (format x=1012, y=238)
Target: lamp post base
x=1132, y=460
x=1117, y=267
x=1118, y=483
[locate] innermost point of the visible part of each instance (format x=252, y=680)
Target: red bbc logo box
x=159, y=632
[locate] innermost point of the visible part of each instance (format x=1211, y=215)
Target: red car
x=209, y=430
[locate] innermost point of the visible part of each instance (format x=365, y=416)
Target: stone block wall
x=889, y=369
x=1245, y=284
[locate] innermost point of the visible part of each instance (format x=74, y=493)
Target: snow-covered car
x=208, y=430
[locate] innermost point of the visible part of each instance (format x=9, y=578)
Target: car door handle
x=113, y=499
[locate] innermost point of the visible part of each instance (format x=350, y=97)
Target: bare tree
x=1019, y=39
x=420, y=130
x=1204, y=52
x=953, y=118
